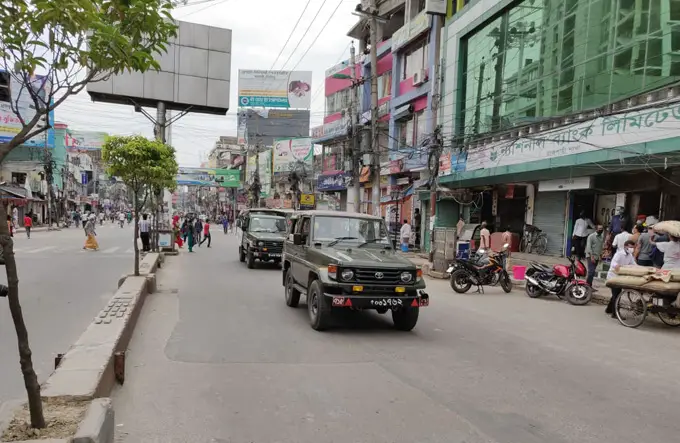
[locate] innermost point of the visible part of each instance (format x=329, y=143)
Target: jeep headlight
x=406, y=277
x=260, y=243
x=347, y=274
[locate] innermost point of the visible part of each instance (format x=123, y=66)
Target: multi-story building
x=549, y=108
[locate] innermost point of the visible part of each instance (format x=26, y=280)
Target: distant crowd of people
x=194, y=231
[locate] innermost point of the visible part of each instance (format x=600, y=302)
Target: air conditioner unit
x=419, y=77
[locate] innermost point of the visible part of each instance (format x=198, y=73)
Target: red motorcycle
x=562, y=280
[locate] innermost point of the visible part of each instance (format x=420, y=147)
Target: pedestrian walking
x=198, y=229
x=10, y=226
x=91, y=241
x=594, y=246
x=644, y=251
x=177, y=231
x=145, y=232
x=623, y=257
x=580, y=234
x=28, y=224
x=405, y=235
x=225, y=223
x=206, y=232
x=190, y=235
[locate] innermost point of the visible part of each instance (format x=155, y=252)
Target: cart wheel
x=669, y=319
x=631, y=308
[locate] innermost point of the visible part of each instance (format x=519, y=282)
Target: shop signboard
x=307, y=201
x=610, y=132
x=274, y=89
x=416, y=26
x=291, y=154
x=227, y=178
x=565, y=184
x=338, y=181
x=265, y=172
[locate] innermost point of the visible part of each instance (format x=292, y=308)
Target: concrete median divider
x=90, y=368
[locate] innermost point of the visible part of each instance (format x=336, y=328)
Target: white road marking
x=35, y=251
x=110, y=250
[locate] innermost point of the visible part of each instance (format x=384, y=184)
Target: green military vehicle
x=344, y=261
x=262, y=234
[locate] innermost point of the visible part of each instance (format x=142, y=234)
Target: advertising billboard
x=83, y=140
x=291, y=153
x=15, y=91
x=263, y=126
x=275, y=89
x=226, y=178
x=194, y=74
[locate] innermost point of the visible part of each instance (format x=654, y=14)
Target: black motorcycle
x=481, y=270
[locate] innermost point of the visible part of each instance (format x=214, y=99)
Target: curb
x=92, y=365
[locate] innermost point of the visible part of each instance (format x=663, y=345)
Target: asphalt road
x=62, y=287
x=218, y=357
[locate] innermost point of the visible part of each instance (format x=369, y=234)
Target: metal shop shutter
x=549, y=215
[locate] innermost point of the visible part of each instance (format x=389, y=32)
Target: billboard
x=83, y=140
x=275, y=89
x=15, y=91
x=194, y=73
x=263, y=126
x=226, y=178
x=291, y=154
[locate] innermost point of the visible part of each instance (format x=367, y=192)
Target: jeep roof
x=327, y=213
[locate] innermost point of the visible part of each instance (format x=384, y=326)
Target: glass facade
x=546, y=58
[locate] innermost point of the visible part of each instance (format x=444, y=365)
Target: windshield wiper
x=370, y=241
x=338, y=239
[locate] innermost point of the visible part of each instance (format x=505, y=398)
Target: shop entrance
x=511, y=210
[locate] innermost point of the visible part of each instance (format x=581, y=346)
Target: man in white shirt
x=405, y=233
x=671, y=252
x=620, y=239
x=484, y=237
x=623, y=257
x=580, y=234
x=144, y=232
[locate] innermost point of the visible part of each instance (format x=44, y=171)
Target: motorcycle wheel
x=579, y=295
x=460, y=281
x=506, y=284
x=532, y=291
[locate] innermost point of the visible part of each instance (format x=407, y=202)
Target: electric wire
x=290, y=35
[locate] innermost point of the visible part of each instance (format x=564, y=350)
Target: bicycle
x=534, y=240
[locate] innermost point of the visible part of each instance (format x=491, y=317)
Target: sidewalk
x=601, y=295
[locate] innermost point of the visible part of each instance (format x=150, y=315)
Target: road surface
x=218, y=357
x=62, y=287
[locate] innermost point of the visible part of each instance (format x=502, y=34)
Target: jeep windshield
x=353, y=231
x=267, y=223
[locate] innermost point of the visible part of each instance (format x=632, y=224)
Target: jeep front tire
x=405, y=319
x=319, y=311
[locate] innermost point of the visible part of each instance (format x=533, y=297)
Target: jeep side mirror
x=297, y=239
x=238, y=223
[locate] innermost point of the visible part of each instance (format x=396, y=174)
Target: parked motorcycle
x=481, y=270
x=560, y=280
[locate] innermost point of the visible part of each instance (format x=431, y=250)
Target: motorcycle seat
x=540, y=266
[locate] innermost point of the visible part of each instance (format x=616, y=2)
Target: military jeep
x=345, y=261
x=262, y=236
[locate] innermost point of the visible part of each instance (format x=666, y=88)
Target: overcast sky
x=260, y=28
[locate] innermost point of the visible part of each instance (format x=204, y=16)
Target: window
x=421, y=128
x=385, y=85
x=5, y=95
x=338, y=101
x=536, y=61
x=415, y=58
x=19, y=178
x=406, y=132
x=351, y=231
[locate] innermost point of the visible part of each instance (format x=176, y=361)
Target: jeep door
x=300, y=267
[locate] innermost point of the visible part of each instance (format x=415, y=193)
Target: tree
x=143, y=165
x=69, y=44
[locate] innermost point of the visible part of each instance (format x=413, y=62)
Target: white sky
x=260, y=28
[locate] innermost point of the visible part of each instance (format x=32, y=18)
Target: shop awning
x=13, y=192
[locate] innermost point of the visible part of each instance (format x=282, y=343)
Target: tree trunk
x=136, y=231
x=25, y=355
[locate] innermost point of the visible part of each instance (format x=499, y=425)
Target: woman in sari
x=191, y=236
x=91, y=241
x=176, y=231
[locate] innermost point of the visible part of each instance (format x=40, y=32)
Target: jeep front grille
x=274, y=247
x=378, y=276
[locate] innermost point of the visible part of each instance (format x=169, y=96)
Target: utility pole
x=354, y=131
x=375, y=147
